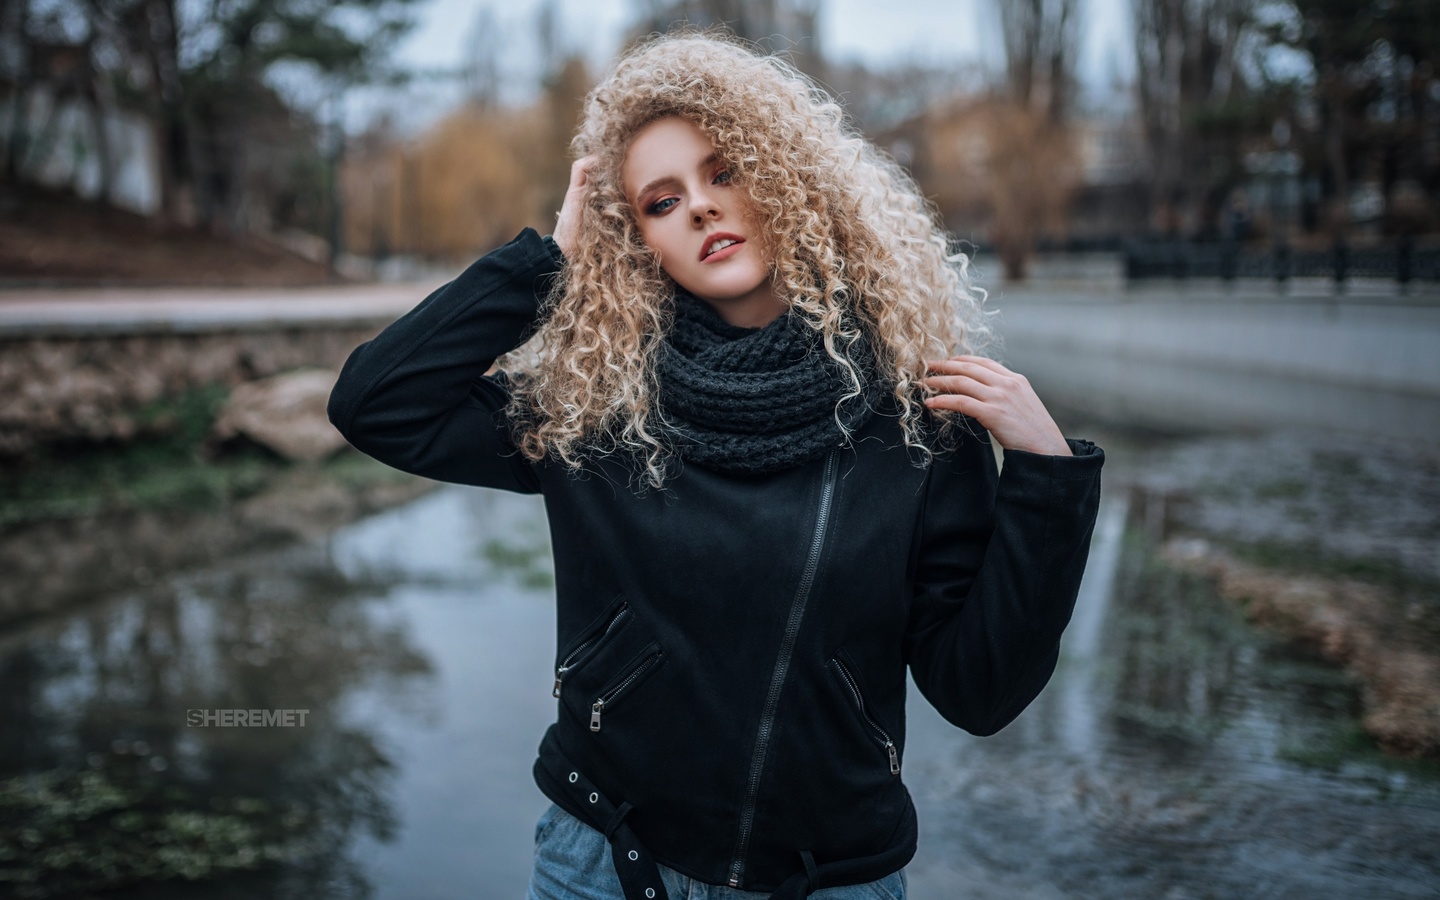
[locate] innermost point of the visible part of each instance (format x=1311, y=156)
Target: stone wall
x=91, y=388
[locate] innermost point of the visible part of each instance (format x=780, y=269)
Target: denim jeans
x=572, y=862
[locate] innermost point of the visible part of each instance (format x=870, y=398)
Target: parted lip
x=718, y=236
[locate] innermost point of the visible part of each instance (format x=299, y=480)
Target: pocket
x=596, y=636
x=621, y=687
x=857, y=699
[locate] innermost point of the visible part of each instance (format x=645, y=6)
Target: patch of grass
x=164, y=468
x=67, y=833
x=170, y=466
x=353, y=469
x=1348, y=744
x=527, y=559
x=1312, y=559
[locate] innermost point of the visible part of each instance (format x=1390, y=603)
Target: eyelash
x=655, y=209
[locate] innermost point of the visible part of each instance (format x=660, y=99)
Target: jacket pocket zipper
x=589, y=644
x=859, y=699
x=644, y=666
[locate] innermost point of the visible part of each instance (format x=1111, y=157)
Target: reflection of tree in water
x=1208, y=766
x=1188, y=668
x=1180, y=649
x=103, y=784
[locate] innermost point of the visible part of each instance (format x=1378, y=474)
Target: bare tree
x=1031, y=146
x=788, y=26
x=1188, y=55
x=1041, y=38
x=482, y=69
x=53, y=53
x=198, y=71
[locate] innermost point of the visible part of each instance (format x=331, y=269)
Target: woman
x=764, y=503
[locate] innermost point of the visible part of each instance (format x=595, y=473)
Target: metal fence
x=1401, y=261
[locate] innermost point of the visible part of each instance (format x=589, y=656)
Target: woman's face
x=697, y=222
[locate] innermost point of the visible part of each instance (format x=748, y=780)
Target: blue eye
x=660, y=206
x=723, y=177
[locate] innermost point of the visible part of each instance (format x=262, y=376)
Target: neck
x=756, y=309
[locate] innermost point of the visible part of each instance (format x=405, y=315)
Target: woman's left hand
x=997, y=398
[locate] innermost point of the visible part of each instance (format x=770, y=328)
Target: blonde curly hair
x=852, y=243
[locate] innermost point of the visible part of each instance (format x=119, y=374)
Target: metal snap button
x=634, y=856
x=574, y=777
x=594, y=798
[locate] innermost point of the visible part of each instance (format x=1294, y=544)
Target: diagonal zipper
x=782, y=665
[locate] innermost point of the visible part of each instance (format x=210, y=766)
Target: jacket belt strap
x=857, y=870
x=639, y=876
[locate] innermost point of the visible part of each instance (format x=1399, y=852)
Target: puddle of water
x=1178, y=753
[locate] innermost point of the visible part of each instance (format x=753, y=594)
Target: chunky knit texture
x=756, y=400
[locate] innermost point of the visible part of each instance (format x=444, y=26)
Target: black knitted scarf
x=756, y=400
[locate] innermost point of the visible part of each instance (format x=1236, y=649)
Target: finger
x=967, y=366
x=960, y=384
x=580, y=171
x=983, y=361
x=988, y=363
x=960, y=403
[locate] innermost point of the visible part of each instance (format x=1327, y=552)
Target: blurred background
x=1209, y=233
x=385, y=134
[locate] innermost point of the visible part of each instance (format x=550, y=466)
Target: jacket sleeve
x=417, y=397
x=999, y=564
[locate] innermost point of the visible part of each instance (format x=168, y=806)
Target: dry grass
x=1347, y=621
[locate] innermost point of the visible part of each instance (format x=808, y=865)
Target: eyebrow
x=705, y=163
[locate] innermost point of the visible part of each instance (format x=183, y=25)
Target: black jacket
x=732, y=650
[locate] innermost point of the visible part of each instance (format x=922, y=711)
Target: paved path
x=88, y=311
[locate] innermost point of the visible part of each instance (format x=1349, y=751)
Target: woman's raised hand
x=997, y=398
x=567, y=221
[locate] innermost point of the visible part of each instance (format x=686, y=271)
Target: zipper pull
x=889, y=747
x=556, y=692
x=595, y=714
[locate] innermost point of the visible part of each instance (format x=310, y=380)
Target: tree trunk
x=1335, y=157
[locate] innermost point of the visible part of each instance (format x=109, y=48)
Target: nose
x=702, y=207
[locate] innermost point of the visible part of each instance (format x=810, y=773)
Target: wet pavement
x=1178, y=753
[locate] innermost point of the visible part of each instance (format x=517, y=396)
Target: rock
x=284, y=412
x=51, y=387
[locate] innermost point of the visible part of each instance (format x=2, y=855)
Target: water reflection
x=108, y=784
x=1178, y=752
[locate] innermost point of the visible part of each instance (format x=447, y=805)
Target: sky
x=872, y=32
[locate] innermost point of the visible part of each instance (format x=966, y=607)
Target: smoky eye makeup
x=721, y=175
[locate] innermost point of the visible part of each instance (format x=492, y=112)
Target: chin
x=725, y=292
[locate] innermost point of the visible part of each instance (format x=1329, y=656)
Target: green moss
x=64, y=833
x=170, y=466
x=1349, y=745
x=353, y=469
x=1312, y=559
x=529, y=564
